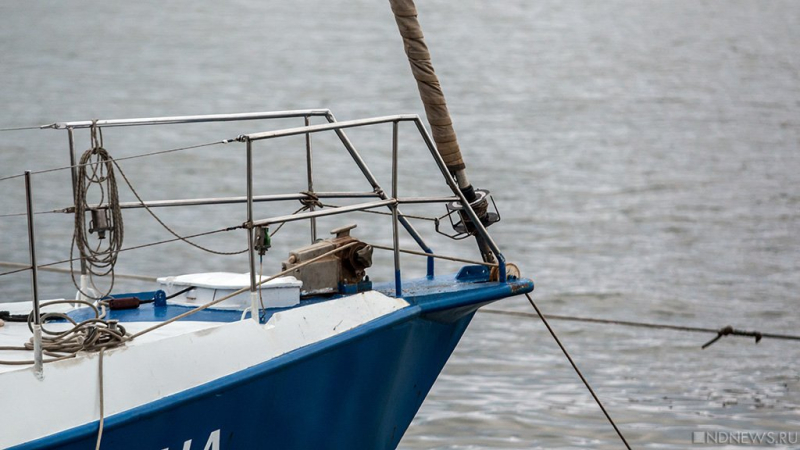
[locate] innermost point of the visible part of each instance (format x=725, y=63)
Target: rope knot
x=311, y=200
x=97, y=135
x=724, y=331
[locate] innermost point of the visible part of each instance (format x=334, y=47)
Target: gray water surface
x=644, y=155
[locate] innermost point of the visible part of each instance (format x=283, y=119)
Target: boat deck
x=426, y=292
x=468, y=290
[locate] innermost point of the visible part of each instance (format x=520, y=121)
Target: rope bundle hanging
x=96, y=177
x=96, y=170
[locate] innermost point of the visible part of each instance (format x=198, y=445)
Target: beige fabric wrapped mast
x=405, y=13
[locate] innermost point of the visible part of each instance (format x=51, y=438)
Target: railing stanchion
x=397, y=280
x=254, y=310
x=38, y=364
x=73, y=161
x=310, y=172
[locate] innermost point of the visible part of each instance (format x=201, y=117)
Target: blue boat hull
x=360, y=389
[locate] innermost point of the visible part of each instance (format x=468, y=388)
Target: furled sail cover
x=405, y=13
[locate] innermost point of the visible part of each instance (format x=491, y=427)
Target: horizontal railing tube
x=327, y=127
x=307, y=130
x=412, y=200
x=323, y=212
x=142, y=121
x=235, y=200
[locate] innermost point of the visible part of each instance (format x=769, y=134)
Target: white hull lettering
x=211, y=444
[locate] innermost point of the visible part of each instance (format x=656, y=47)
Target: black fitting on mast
x=432, y=96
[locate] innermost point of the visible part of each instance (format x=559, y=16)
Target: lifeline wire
x=11, y=177
x=37, y=127
x=24, y=267
x=578, y=371
x=55, y=211
x=143, y=155
x=151, y=244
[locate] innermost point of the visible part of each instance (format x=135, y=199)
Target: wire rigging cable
x=26, y=267
x=35, y=127
x=143, y=155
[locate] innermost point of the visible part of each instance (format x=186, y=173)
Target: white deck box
x=281, y=292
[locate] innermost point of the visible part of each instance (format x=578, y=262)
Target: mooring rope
x=578, y=371
x=724, y=331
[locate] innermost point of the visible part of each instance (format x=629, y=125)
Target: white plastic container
x=281, y=292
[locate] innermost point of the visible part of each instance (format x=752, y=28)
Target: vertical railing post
x=38, y=363
x=254, y=310
x=73, y=162
x=348, y=145
x=310, y=173
x=397, y=280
